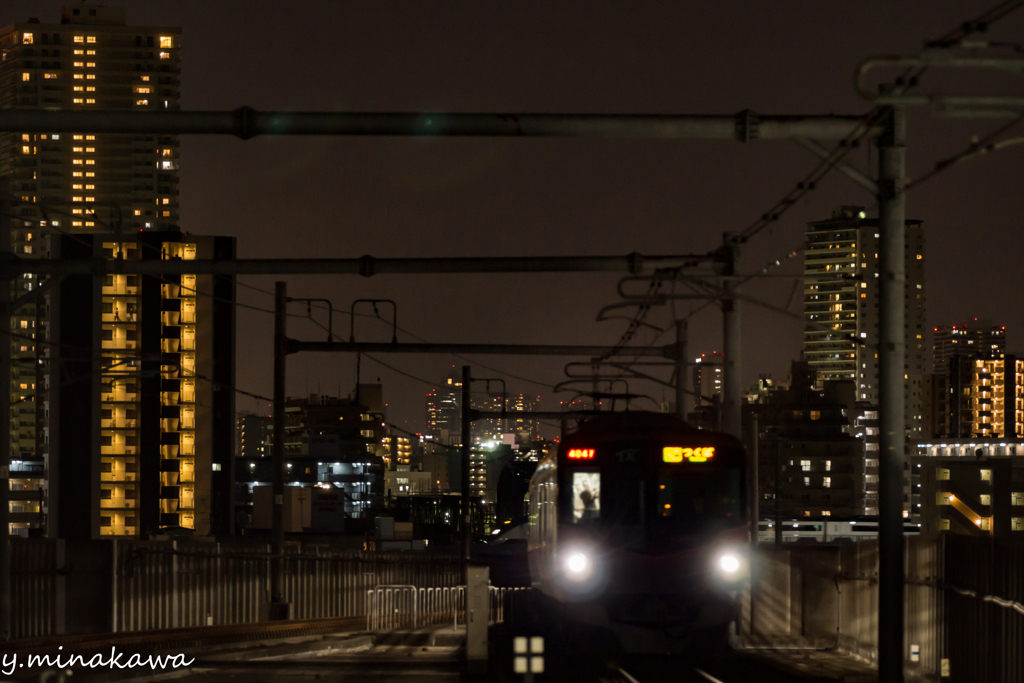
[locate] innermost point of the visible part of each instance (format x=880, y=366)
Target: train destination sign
x=677, y=454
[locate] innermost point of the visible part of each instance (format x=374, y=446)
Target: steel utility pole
x=891, y=379
x=6, y=225
x=279, y=609
x=467, y=531
x=732, y=408
x=681, y=365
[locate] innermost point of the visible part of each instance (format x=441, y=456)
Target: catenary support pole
x=732, y=408
x=754, y=493
x=681, y=354
x=278, y=606
x=467, y=531
x=891, y=380
x=6, y=286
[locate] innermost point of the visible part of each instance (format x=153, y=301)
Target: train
x=638, y=534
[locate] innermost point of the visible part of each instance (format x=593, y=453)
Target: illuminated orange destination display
x=676, y=454
x=581, y=454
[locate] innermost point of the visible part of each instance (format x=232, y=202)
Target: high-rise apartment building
x=972, y=339
x=140, y=399
x=841, y=300
x=91, y=60
x=68, y=182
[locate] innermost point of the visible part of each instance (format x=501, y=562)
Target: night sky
x=345, y=197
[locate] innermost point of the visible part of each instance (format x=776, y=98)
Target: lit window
x=77, y=174
x=49, y=75
x=25, y=76
x=76, y=199
x=89, y=174
x=76, y=211
x=27, y=39
x=805, y=465
x=79, y=65
x=90, y=52
x=76, y=187
x=91, y=39
x=90, y=150
x=76, y=224
x=79, y=52
x=165, y=55
x=77, y=100
x=142, y=90
x=79, y=39
x=166, y=41
x=90, y=162
x=141, y=102
x=166, y=200
x=90, y=65
x=167, y=214
x=90, y=101
x=76, y=150
x=91, y=88
x=145, y=78
x=138, y=212
x=90, y=137
x=78, y=88
x=78, y=76
x=90, y=187
x=90, y=77
x=90, y=199
x=826, y=482
x=26, y=149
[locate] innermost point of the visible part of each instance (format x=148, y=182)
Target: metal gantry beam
x=295, y=346
x=246, y=123
x=366, y=266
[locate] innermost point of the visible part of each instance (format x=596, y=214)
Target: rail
x=404, y=606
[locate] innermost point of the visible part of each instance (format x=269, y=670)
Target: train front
x=652, y=535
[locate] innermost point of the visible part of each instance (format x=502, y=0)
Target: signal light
x=581, y=454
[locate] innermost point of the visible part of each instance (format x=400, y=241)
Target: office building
x=841, y=306
x=972, y=339
x=444, y=410
x=140, y=434
x=707, y=378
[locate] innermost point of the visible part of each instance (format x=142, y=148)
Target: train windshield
x=586, y=496
x=691, y=500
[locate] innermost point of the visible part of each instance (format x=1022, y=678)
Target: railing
x=398, y=607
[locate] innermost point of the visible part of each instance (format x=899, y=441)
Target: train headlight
x=730, y=565
x=578, y=566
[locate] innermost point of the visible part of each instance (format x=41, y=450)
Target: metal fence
x=121, y=586
x=34, y=604
x=984, y=603
x=401, y=607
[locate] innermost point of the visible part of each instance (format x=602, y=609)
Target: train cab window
x=586, y=496
x=695, y=499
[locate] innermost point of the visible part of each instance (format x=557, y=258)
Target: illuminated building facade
x=141, y=407
x=444, y=410
x=253, y=436
x=980, y=398
x=707, y=377
x=973, y=339
x=841, y=306
x=77, y=182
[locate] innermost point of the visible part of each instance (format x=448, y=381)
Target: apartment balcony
x=118, y=503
